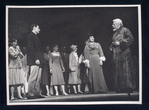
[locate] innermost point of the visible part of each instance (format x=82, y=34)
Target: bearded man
x=122, y=58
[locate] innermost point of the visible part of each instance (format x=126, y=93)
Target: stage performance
x=73, y=54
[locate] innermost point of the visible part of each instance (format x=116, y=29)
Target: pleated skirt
x=16, y=76
x=57, y=75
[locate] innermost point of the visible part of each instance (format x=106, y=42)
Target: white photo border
x=78, y=103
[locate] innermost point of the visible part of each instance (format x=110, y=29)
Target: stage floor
x=111, y=96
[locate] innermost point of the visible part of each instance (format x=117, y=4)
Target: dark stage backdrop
x=67, y=26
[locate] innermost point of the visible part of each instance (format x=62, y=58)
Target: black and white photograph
x=73, y=54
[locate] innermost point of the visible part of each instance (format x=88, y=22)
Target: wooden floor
x=111, y=96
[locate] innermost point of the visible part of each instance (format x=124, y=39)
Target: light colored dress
x=74, y=75
x=15, y=65
x=56, y=65
x=93, y=52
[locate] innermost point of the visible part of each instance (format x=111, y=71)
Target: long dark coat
x=122, y=58
x=34, y=50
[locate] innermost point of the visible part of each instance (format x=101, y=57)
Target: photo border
x=78, y=103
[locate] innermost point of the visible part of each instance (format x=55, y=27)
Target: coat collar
x=36, y=37
x=117, y=32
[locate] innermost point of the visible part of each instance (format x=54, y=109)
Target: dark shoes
x=80, y=92
x=65, y=94
x=40, y=96
x=124, y=91
x=75, y=93
x=86, y=92
x=32, y=96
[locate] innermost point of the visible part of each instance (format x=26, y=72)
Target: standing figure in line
x=35, y=62
x=124, y=67
x=57, y=69
x=93, y=52
x=15, y=65
x=65, y=58
x=25, y=72
x=74, y=75
x=46, y=75
x=84, y=65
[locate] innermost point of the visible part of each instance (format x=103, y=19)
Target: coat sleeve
x=100, y=51
x=12, y=53
x=50, y=60
x=70, y=61
x=20, y=53
x=86, y=53
x=127, y=39
x=81, y=59
x=46, y=57
x=30, y=48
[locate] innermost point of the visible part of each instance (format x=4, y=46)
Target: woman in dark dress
x=46, y=75
x=93, y=52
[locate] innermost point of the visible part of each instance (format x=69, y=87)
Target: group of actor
x=62, y=73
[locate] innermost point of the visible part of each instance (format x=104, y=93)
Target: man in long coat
x=35, y=61
x=122, y=59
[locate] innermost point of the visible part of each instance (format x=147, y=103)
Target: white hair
x=118, y=23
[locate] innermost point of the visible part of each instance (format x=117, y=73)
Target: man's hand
x=117, y=43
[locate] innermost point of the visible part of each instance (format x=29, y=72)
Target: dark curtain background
x=67, y=26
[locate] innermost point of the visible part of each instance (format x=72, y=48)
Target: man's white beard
x=35, y=32
x=116, y=28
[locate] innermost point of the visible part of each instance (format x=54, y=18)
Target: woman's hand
x=102, y=58
x=21, y=56
x=111, y=48
x=51, y=71
x=73, y=70
x=37, y=62
x=100, y=62
x=63, y=69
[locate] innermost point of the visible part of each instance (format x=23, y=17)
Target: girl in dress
x=15, y=76
x=74, y=75
x=57, y=69
x=93, y=52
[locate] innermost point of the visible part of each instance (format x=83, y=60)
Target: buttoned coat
x=124, y=68
x=74, y=75
x=34, y=50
